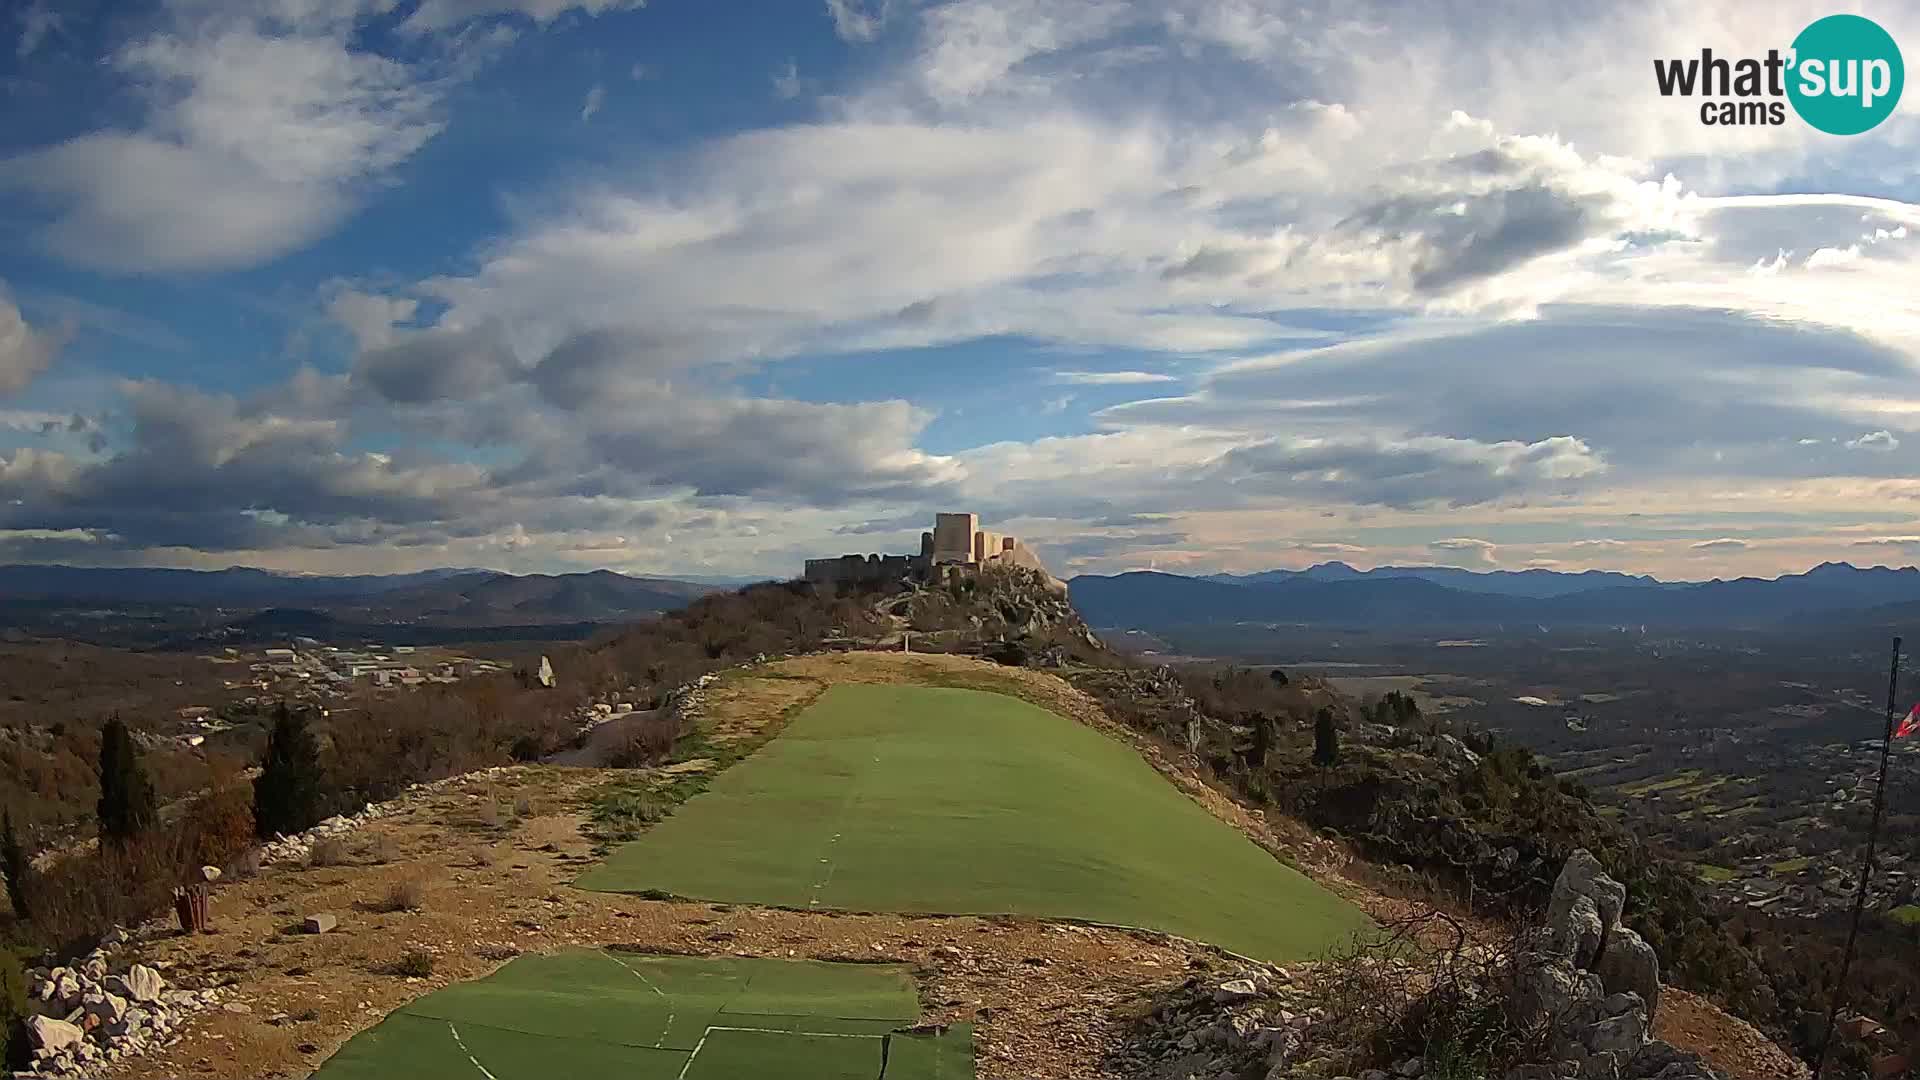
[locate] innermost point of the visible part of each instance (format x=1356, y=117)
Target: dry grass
x=329, y=851
x=406, y=894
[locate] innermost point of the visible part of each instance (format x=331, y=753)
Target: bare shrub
x=523, y=805
x=328, y=851
x=490, y=811
x=649, y=743
x=413, y=964
x=1422, y=987
x=407, y=894
x=482, y=856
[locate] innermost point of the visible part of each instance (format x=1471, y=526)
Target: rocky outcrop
x=1591, y=986
x=86, y=1016
x=1258, y=1024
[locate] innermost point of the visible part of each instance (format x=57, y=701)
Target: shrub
x=218, y=826
x=407, y=894
x=650, y=743
x=523, y=805
x=482, y=856
x=16, y=865
x=413, y=964
x=386, y=849
x=126, y=806
x=328, y=851
x=287, y=796
x=14, y=1049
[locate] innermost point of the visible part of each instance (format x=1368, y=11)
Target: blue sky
x=679, y=287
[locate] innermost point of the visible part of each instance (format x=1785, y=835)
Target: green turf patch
x=606, y=1013
x=921, y=799
x=730, y=1055
x=1906, y=913
x=945, y=1056
x=1710, y=872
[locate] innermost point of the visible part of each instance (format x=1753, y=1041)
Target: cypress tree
x=13, y=860
x=1326, y=740
x=287, y=795
x=126, y=805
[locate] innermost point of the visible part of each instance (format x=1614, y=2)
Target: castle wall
x=953, y=537
x=956, y=540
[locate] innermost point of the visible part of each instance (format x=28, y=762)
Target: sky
x=708, y=287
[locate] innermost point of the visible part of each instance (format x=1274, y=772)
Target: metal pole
x=1866, y=868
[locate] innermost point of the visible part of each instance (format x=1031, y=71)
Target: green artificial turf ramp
x=945, y=1056
x=607, y=1013
x=924, y=799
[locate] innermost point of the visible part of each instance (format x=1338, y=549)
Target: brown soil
x=1730, y=1044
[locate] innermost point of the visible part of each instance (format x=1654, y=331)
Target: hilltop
x=1413, y=812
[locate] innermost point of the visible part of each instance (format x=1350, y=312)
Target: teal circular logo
x=1846, y=76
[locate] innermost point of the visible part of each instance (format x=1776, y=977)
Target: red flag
x=1909, y=726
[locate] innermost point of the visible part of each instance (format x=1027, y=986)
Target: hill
x=1463, y=601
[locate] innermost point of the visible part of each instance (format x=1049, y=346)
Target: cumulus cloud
x=1465, y=551
x=596, y=97
x=24, y=351
x=255, y=142
x=1877, y=442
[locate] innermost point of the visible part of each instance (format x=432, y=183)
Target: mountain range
x=1336, y=595
x=448, y=597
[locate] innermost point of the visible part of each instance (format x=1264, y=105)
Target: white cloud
x=255, y=143
x=1879, y=442
x=596, y=97
x=433, y=15
x=786, y=81
x=24, y=351
x=36, y=20
x=859, y=21
x=1725, y=543
x=1110, y=378
x=1465, y=551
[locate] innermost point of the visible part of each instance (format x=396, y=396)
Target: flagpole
x=1866, y=867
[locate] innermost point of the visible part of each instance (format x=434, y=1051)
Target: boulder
x=1234, y=991
x=53, y=1035
x=1582, y=876
x=104, y=1009
x=1547, y=989
x=1628, y=965
x=140, y=983
x=319, y=923
x=1578, y=932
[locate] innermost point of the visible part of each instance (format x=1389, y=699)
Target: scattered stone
x=50, y=1034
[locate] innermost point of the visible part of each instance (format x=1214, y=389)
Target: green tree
x=287, y=795
x=126, y=805
x=13, y=861
x=1326, y=739
x=14, y=1046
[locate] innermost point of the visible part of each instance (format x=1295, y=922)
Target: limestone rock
x=1579, y=932
x=55, y=1035
x=319, y=923
x=1629, y=965
x=1582, y=876
x=140, y=983
x=1235, y=990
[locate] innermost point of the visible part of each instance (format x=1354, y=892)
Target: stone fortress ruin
x=957, y=541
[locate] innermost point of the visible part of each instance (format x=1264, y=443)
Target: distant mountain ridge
x=1440, y=597
x=454, y=597
x=1534, y=582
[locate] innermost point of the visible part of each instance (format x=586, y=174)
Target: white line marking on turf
x=668, y=1029
x=469, y=1053
x=765, y=1031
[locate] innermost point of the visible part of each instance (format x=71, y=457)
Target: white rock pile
x=86, y=1015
